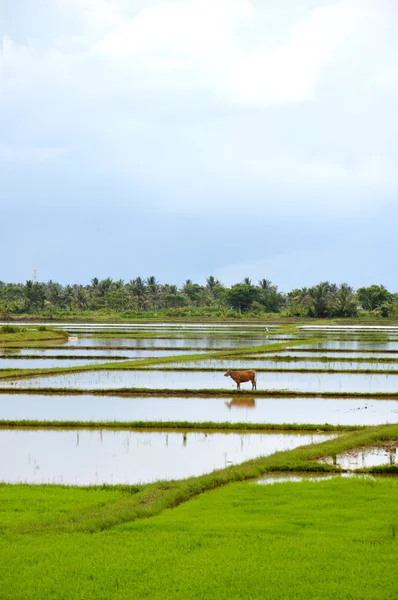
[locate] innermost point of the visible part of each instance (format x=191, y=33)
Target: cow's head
x=228, y=373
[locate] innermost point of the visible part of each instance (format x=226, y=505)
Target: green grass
x=189, y=393
x=29, y=336
x=330, y=540
x=175, y=425
x=214, y=536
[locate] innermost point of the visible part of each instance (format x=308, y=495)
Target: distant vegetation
x=148, y=298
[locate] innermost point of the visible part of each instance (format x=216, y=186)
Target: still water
x=45, y=363
x=250, y=363
x=196, y=380
x=93, y=457
x=361, y=459
x=202, y=342
x=235, y=409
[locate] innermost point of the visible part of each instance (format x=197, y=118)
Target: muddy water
x=242, y=409
x=360, y=459
x=94, y=457
x=191, y=380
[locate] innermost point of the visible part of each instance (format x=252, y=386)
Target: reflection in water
x=241, y=402
x=361, y=459
x=336, y=411
x=47, y=456
x=194, y=380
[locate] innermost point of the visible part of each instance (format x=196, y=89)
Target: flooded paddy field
x=111, y=353
x=341, y=355
x=82, y=457
x=46, y=363
x=309, y=365
x=124, y=456
x=233, y=409
x=158, y=325
x=204, y=342
x=198, y=380
x=364, y=458
x=353, y=345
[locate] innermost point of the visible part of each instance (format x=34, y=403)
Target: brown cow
x=242, y=376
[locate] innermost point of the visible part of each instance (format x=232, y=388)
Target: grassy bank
x=189, y=393
x=23, y=336
x=175, y=426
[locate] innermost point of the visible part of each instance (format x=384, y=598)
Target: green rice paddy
x=217, y=535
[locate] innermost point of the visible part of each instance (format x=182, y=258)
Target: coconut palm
x=212, y=283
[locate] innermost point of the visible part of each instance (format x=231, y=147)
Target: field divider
x=136, y=364
x=272, y=370
x=200, y=393
x=203, y=426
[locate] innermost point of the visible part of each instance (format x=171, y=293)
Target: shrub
x=9, y=329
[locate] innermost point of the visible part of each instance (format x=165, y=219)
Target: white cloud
x=211, y=42
x=228, y=93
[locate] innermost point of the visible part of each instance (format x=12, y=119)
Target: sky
x=190, y=138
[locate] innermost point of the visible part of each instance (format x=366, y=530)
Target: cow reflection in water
x=242, y=377
x=241, y=402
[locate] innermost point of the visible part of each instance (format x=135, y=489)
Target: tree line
x=147, y=295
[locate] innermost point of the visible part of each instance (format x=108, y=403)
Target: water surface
x=235, y=409
x=361, y=459
x=93, y=457
x=191, y=380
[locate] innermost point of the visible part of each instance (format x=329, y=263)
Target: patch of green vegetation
x=24, y=336
x=330, y=539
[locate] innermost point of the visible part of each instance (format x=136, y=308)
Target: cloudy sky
x=195, y=137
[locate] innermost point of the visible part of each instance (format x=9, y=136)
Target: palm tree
x=212, y=283
x=81, y=297
x=266, y=285
x=318, y=299
x=344, y=302
x=139, y=291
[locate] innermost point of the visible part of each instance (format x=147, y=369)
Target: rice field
x=308, y=364
x=113, y=429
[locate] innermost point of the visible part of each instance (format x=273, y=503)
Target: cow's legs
x=238, y=386
x=254, y=384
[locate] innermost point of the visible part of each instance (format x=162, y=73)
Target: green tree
x=374, y=296
x=240, y=296
x=344, y=302
x=211, y=284
x=318, y=299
